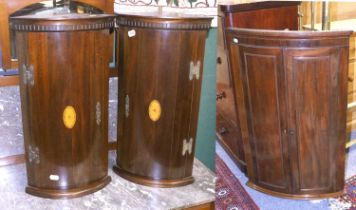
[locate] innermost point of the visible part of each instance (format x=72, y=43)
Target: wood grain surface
x=259, y=15
x=291, y=92
x=154, y=64
x=70, y=69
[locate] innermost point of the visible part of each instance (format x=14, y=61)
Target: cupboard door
x=262, y=76
x=147, y=83
x=155, y=76
x=316, y=95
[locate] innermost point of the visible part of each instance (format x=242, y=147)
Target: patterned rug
x=348, y=199
x=230, y=195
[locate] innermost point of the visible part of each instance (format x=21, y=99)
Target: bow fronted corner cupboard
x=276, y=15
x=161, y=57
x=291, y=90
x=63, y=60
x=9, y=57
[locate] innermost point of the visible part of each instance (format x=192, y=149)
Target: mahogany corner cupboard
x=63, y=64
x=161, y=58
x=291, y=93
x=276, y=15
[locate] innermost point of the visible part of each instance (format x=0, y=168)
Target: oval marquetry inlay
x=69, y=117
x=154, y=110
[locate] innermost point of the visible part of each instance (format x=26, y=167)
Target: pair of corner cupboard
x=64, y=58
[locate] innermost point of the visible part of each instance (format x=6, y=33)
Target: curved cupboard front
x=273, y=15
x=161, y=58
x=64, y=95
x=291, y=91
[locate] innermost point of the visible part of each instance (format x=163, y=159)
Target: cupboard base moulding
x=69, y=193
x=240, y=164
x=150, y=182
x=294, y=196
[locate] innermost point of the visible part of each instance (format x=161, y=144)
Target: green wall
x=205, y=145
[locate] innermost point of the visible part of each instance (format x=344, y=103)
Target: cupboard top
x=62, y=22
x=164, y=20
x=256, y=6
x=288, y=38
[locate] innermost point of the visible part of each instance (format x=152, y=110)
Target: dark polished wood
x=8, y=7
x=252, y=6
x=69, y=193
x=159, y=100
x=64, y=98
x=163, y=183
x=9, y=80
x=20, y=159
x=259, y=15
x=291, y=91
x=13, y=160
x=207, y=206
x=113, y=145
x=227, y=129
x=114, y=73
x=5, y=35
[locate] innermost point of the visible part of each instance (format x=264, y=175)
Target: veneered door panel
x=314, y=79
x=265, y=104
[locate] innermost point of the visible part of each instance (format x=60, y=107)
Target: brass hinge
x=28, y=77
x=194, y=70
x=220, y=96
x=127, y=106
x=98, y=113
x=33, y=154
x=187, y=146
